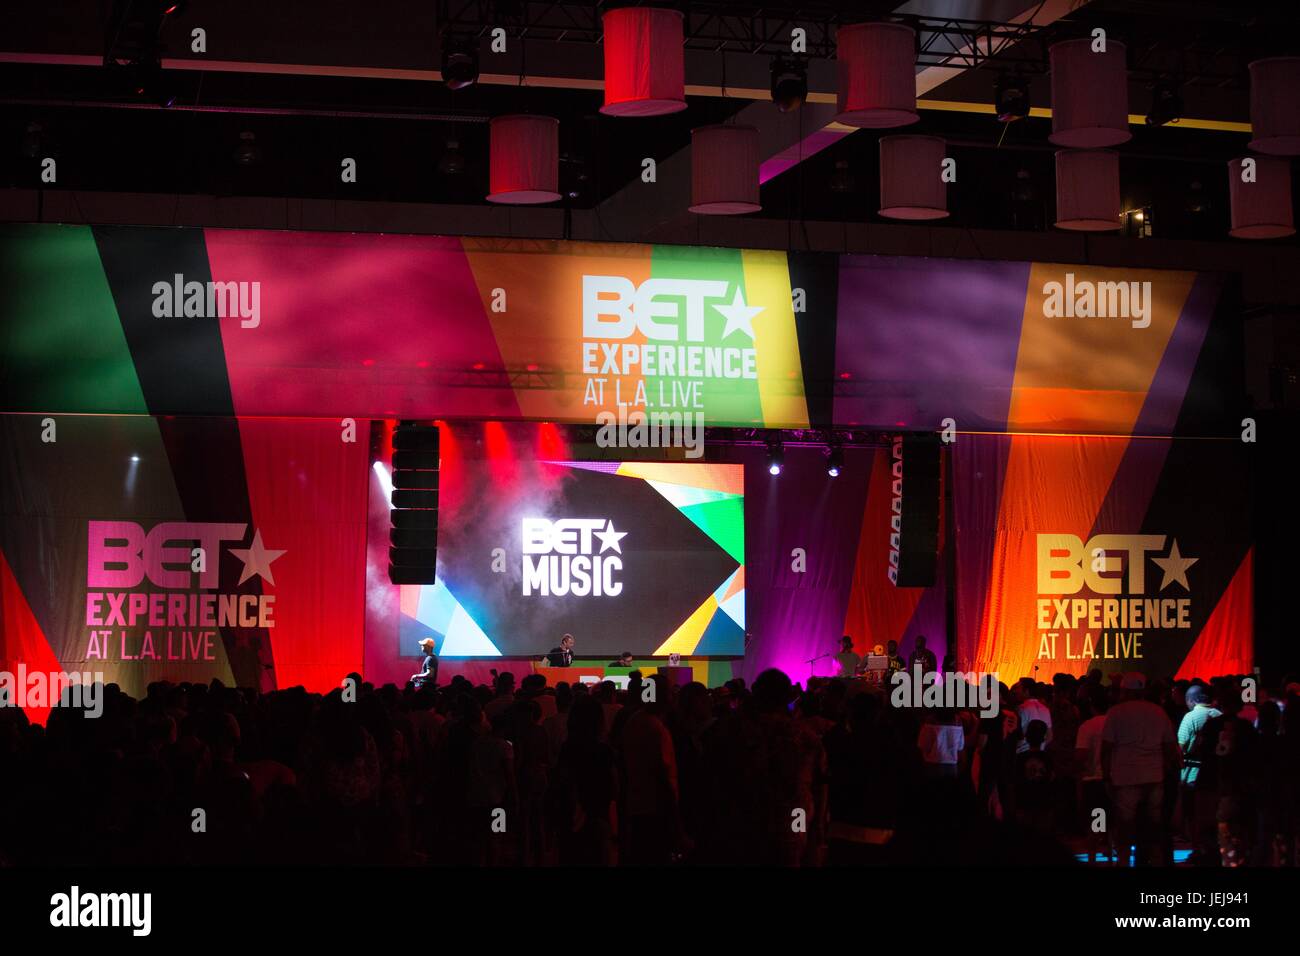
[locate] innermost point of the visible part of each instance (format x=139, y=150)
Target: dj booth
x=678, y=675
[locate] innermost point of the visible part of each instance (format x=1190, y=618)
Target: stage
x=228, y=513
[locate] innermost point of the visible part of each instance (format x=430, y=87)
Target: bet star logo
x=662, y=309
x=739, y=315
x=1107, y=564
x=257, y=559
x=174, y=554
x=1175, y=567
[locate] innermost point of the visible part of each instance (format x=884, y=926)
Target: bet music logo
x=560, y=557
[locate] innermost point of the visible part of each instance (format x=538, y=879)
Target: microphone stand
x=819, y=657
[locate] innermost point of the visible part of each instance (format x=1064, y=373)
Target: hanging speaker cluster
x=1259, y=187
x=1089, y=113
x=1275, y=106
x=644, y=76
x=1087, y=190
x=413, y=537
x=911, y=177
x=645, y=73
x=1089, y=94
x=524, y=166
x=724, y=170
x=876, y=63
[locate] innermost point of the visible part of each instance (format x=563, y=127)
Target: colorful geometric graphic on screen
x=712, y=498
x=433, y=611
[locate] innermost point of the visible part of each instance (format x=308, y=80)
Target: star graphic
x=257, y=559
x=609, y=538
x=1175, y=567
x=740, y=316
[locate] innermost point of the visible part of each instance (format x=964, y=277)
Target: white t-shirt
x=941, y=743
x=1035, y=710
x=1138, y=730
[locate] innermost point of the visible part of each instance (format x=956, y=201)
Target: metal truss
x=722, y=26
x=719, y=27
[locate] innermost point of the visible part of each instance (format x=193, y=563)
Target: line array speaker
x=914, y=511
x=413, y=537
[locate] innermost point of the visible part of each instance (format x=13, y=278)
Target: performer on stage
x=896, y=662
x=429, y=669
x=848, y=660
x=624, y=660
x=562, y=656
x=922, y=657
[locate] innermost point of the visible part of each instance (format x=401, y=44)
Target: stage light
x=834, y=460
x=789, y=84
x=452, y=162
x=1138, y=222
x=385, y=481
x=1166, y=104
x=573, y=175
x=1011, y=98
x=248, y=153
x=775, y=458
x=135, y=459
x=148, y=82
x=33, y=140
x=842, y=180
x=1024, y=190
x=459, y=62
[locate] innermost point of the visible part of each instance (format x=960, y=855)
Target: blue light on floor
x=1180, y=856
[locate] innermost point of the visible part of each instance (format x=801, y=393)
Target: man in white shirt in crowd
x=1031, y=708
x=1137, y=749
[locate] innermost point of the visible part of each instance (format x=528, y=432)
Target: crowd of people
x=573, y=774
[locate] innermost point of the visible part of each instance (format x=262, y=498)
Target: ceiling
x=362, y=81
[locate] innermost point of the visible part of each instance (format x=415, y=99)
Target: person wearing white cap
x=429, y=668
x=1137, y=749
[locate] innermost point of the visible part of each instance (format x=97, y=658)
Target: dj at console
x=561, y=656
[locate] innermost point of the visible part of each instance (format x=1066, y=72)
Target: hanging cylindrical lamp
x=724, y=170
x=911, y=177
x=1261, y=202
x=524, y=167
x=1087, y=190
x=876, y=63
x=1275, y=105
x=644, y=70
x=1089, y=94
